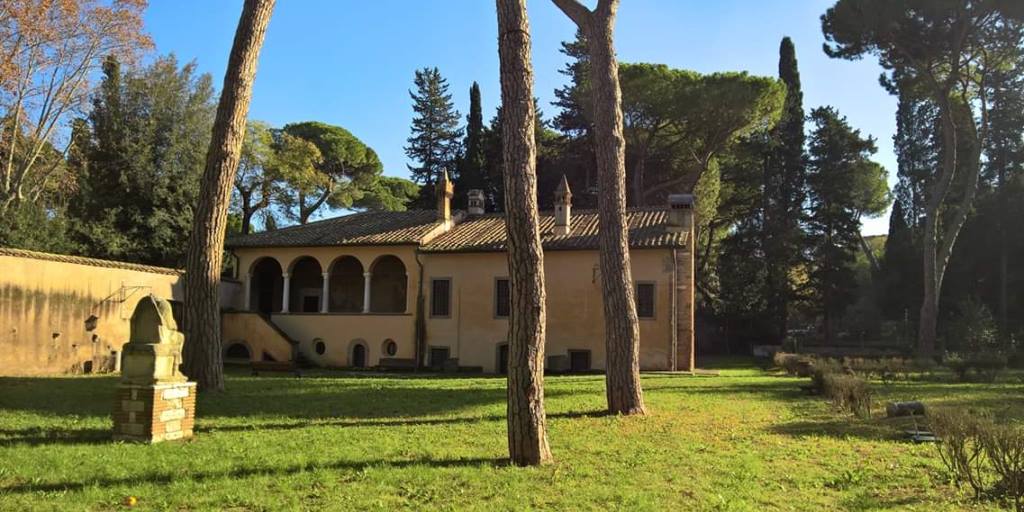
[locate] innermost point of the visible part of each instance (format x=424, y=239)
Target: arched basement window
x=387, y=285
x=346, y=286
x=237, y=353
x=266, y=286
x=306, y=286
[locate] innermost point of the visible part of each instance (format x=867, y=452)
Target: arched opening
x=346, y=286
x=387, y=285
x=266, y=286
x=358, y=355
x=237, y=353
x=306, y=286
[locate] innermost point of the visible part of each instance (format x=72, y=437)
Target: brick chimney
x=680, y=212
x=475, y=202
x=445, y=191
x=563, y=207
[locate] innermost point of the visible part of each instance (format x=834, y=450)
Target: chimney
x=563, y=207
x=680, y=212
x=475, y=202
x=445, y=191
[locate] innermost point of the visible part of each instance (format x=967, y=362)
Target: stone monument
x=154, y=400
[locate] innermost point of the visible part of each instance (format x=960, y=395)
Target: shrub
x=848, y=393
x=960, y=448
x=973, y=329
x=980, y=366
x=791, y=363
x=987, y=456
x=1004, y=446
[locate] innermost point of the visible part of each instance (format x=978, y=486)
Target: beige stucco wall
x=472, y=332
x=575, y=316
x=340, y=331
x=256, y=334
x=44, y=306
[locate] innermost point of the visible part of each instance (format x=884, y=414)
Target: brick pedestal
x=154, y=413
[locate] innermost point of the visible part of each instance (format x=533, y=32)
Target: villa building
x=430, y=288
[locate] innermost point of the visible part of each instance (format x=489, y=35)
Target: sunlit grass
x=744, y=440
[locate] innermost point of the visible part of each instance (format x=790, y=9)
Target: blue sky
x=351, y=63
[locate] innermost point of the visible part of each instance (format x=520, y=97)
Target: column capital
x=367, y=274
x=285, y=275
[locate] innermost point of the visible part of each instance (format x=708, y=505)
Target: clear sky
x=351, y=63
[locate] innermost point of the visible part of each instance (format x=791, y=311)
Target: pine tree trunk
x=527, y=435
x=622, y=333
x=203, y=360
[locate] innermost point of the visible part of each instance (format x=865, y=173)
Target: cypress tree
x=784, y=183
x=472, y=170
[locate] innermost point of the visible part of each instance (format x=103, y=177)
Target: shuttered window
x=502, y=299
x=645, y=300
x=441, y=297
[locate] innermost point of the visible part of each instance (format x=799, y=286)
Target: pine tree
x=622, y=331
x=784, y=184
x=527, y=436
x=843, y=184
x=434, y=141
x=202, y=356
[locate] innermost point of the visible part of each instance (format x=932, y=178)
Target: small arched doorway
x=359, y=355
x=266, y=285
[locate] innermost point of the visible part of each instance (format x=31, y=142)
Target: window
x=441, y=297
x=319, y=346
x=438, y=356
x=502, y=299
x=390, y=347
x=645, y=300
x=579, y=360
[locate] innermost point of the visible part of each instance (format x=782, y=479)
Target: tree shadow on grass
x=257, y=397
x=168, y=478
x=37, y=436
x=842, y=428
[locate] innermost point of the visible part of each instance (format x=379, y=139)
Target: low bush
x=790, y=363
x=960, y=447
x=979, y=366
x=980, y=453
x=848, y=393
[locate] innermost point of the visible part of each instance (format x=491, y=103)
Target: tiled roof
x=367, y=228
x=92, y=262
x=486, y=233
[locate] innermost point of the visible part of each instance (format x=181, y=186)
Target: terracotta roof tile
x=366, y=228
x=92, y=262
x=486, y=233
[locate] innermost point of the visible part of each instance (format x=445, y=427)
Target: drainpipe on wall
x=420, y=330
x=673, y=324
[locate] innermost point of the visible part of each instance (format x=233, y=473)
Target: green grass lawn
x=744, y=440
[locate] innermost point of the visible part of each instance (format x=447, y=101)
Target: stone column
x=285, y=292
x=366, y=291
x=324, y=299
x=247, y=300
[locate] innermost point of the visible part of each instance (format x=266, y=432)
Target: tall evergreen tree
x=472, y=171
x=434, y=140
x=141, y=158
x=843, y=185
x=784, y=182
